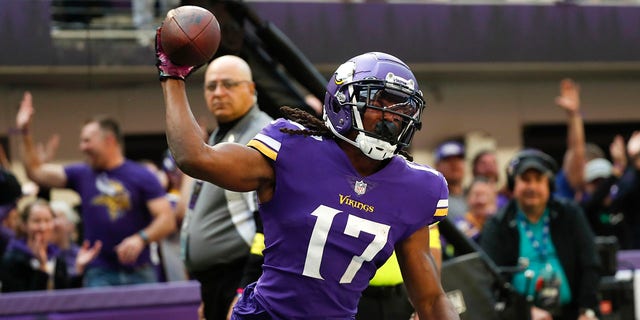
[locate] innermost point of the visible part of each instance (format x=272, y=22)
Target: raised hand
x=569, y=98
x=26, y=111
x=633, y=145
x=86, y=254
x=166, y=69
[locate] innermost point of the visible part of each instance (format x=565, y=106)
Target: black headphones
x=531, y=155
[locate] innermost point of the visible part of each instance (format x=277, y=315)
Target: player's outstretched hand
x=166, y=69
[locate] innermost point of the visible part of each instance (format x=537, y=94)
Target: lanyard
x=541, y=246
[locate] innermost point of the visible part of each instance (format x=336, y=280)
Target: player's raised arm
x=230, y=166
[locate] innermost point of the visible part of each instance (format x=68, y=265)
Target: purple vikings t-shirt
x=328, y=229
x=114, y=206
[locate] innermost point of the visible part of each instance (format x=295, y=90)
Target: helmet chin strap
x=373, y=148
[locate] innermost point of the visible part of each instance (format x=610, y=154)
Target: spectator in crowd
x=318, y=184
x=65, y=233
x=33, y=262
x=482, y=203
x=600, y=191
x=449, y=160
x=166, y=252
x=174, y=267
x=219, y=226
x=570, y=180
x=611, y=192
x=485, y=165
x=627, y=188
x=549, y=238
x=122, y=203
x=10, y=193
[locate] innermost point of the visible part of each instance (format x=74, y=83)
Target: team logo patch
x=360, y=187
x=112, y=195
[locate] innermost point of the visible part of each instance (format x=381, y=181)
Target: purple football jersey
x=114, y=206
x=328, y=229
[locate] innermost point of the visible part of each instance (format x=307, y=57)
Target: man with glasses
x=219, y=224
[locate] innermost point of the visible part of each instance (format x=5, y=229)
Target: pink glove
x=166, y=69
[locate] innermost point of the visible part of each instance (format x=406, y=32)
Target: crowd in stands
x=524, y=225
x=50, y=244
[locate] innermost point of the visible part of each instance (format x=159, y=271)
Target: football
x=190, y=35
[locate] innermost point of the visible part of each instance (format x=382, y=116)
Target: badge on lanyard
x=547, y=290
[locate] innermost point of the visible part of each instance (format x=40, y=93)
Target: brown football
x=190, y=35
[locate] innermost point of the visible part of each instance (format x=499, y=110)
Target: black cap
x=10, y=189
x=532, y=163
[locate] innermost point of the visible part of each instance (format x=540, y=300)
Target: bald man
x=219, y=226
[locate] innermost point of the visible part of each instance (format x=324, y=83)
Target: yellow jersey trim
x=264, y=149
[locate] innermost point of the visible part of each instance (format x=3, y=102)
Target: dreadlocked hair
x=316, y=127
x=313, y=126
x=405, y=154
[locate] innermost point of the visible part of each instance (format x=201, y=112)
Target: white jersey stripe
x=270, y=142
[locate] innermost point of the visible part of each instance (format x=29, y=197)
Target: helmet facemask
x=401, y=107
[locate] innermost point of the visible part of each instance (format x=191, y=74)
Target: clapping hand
x=86, y=254
x=38, y=246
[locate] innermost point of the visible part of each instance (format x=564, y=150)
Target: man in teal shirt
x=549, y=239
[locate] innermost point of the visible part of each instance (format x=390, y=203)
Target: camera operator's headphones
x=528, y=155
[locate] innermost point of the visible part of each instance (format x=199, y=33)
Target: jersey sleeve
x=150, y=186
x=269, y=139
x=442, y=206
x=73, y=173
